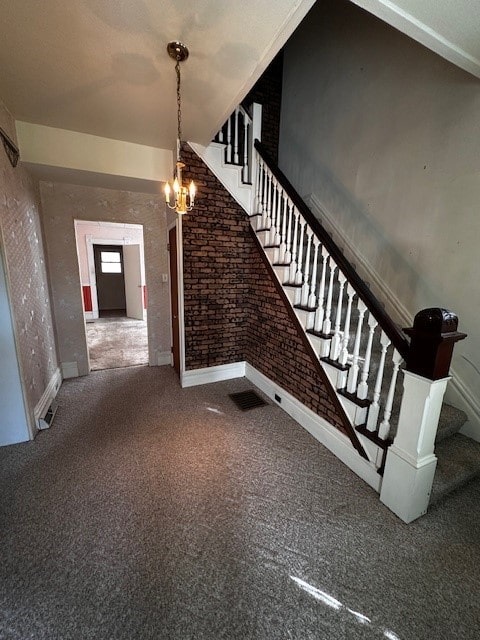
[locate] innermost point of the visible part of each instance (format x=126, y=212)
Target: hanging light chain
x=184, y=197
x=179, y=109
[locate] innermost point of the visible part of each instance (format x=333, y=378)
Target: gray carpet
x=148, y=511
x=117, y=342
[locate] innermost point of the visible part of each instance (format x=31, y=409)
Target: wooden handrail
x=393, y=332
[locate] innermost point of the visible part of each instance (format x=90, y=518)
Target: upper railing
x=238, y=134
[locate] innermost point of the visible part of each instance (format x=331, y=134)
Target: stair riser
x=293, y=294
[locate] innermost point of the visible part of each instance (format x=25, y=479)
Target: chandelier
x=183, y=197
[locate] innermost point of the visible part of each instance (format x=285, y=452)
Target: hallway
x=149, y=511
x=116, y=341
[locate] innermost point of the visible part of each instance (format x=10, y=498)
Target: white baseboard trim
x=319, y=428
x=48, y=396
x=163, y=358
x=69, y=369
x=195, y=377
x=458, y=392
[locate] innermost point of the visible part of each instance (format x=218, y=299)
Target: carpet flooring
x=148, y=512
x=117, y=342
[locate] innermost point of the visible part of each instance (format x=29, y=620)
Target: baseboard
x=69, y=370
x=48, y=396
x=458, y=392
x=318, y=427
x=163, y=358
x=218, y=373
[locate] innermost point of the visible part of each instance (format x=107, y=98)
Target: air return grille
x=246, y=400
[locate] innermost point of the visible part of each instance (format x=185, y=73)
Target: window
x=110, y=262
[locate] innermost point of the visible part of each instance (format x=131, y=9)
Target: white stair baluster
x=327, y=322
x=236, y=115
x=258, y=187
x=273, y=229
x=336, y=341
x=229, y=140
x=269, y=201
x=354, y=369
x=264, y=198
x=374, y=408
x=246, y=162
x=299, y=274
x=312, y=299
x=288, y=251
x=384, y=429
x=306, y=278
x=220, y=135
x=293, y=263
x=319, y=316
x=278, y=225
x=362, y=390
x=346, y=329
x=283, y=235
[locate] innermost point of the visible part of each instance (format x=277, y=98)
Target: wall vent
x=46, y=421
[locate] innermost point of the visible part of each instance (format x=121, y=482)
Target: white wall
x=62, y=204
x=385, y=135
x=23, y=253
x=13, y=418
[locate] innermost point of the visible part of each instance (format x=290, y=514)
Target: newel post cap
x=433, y=336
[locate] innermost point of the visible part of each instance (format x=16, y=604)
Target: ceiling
x=100, y=67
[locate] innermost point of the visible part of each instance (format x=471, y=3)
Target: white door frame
x=181, y=316
x=91, y=240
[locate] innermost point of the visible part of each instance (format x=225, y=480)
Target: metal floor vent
x=246, y=400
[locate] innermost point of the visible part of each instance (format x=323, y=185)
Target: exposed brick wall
x=233, y=311
x=216, y=247
x=267, y=91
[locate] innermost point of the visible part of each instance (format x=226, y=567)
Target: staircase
x=359, y=347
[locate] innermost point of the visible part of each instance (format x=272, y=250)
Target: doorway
x=110, y=279
x=112, y=272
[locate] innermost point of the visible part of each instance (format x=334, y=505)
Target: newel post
x=411, y=462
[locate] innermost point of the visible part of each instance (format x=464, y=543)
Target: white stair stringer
x=230, y=175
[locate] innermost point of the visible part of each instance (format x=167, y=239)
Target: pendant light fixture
x=183, y=197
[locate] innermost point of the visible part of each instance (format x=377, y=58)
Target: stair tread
x=451, y=420
x=458, y=462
